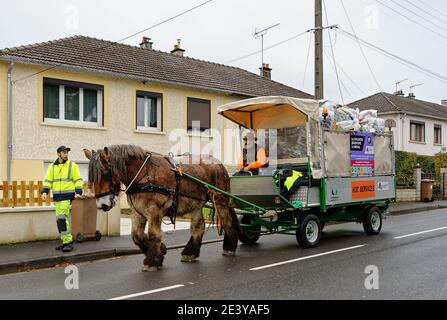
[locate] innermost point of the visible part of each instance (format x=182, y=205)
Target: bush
x=440, y=162
x=405, y=164
x=427, y=163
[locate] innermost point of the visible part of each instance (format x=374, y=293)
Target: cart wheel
x=80, y=237
x=372, y=222
x=249, y=235
x=308, y=233
x=98, y=235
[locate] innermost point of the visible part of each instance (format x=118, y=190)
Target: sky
x=223, y=31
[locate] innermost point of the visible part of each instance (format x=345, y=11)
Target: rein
x=133, y=188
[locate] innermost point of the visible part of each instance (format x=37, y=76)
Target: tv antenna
x=261, y=34
x=415, y=86
x=411, y=94
x=399, y=82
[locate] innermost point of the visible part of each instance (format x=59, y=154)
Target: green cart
x=346, y=176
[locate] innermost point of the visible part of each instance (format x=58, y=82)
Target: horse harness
x=154, y=188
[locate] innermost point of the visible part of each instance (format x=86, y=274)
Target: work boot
x=67, y=247
x=59, y=247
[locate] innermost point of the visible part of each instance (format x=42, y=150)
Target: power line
x=425, y=11
x=330, y=58
x=418, y=15
x=412, y=20
x=434, y=9
x=117, y=42
x=360, y=47
x=333, y=54
x=348, y=77
x=397, y=58
x=268, y=48
x=307, y=59
x=411, y=25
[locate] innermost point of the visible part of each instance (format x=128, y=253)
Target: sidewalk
x=413, y=207
x=38, y=255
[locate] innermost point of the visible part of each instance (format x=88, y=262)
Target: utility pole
x=319, y=79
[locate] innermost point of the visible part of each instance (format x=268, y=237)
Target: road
x=410, y=255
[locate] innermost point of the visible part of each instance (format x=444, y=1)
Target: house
x=88, y=93
x=418, y=126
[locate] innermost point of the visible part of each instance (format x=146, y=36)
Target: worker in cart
x=253, y=157
x=64, y=179
x=290, y=184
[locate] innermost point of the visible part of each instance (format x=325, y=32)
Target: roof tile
x=130, y=61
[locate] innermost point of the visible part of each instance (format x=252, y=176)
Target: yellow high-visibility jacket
x=64, y=180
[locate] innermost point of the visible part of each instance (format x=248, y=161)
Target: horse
x=155, y=190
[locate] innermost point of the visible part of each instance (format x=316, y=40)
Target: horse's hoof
x=189, y=258
x=228, y=253
x=150, y=269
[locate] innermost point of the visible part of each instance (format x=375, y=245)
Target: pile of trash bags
x=338, y=117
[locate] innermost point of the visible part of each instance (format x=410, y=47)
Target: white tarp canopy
x=271, y=112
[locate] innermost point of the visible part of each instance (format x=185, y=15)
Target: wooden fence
x=24, y=194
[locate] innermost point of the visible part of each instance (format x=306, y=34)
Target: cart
x=347, y=176
x=83, y=220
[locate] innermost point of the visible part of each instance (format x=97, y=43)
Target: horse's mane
x=119, y=154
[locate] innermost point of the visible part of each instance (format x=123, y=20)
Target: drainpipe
x=9, y=119
x=403, y=132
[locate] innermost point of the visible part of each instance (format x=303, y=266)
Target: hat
x=63, y=148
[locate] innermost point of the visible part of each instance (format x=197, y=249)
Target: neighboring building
x=89, y=93
x=420, y=126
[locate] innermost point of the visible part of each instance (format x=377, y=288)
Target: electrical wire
x=395, y=57
x=412, y=20
x=360, y=47
x=410, y=25
x=434, y=9
x=333, y=54
x=307, y=59
x=116, y=42
x=330, y=58
x=425, y=11
x=268, y=48
x=418, y=15
x=348, y=77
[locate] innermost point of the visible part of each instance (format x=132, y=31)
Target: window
x=149, y=111
x=72, y=102
x=438, y=134
x=417, y=131
x=199, y=111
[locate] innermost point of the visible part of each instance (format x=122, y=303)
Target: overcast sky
x=222, y=31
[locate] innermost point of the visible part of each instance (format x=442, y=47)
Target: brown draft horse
x=120, y=164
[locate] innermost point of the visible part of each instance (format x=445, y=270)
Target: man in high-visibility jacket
x=64, y=180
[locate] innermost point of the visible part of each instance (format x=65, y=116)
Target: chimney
x=266, y=71
x=178, y=51
x=444, y=103
x=399, y=93
x=146, y=43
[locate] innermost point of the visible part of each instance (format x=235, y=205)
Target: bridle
x=108, y=176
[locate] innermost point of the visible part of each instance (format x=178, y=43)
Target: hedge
x=405, y=164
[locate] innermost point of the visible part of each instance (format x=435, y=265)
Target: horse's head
x=106, y=184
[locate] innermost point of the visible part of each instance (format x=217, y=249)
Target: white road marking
x=148, y=292
x=418, y=233
x=306, y=258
